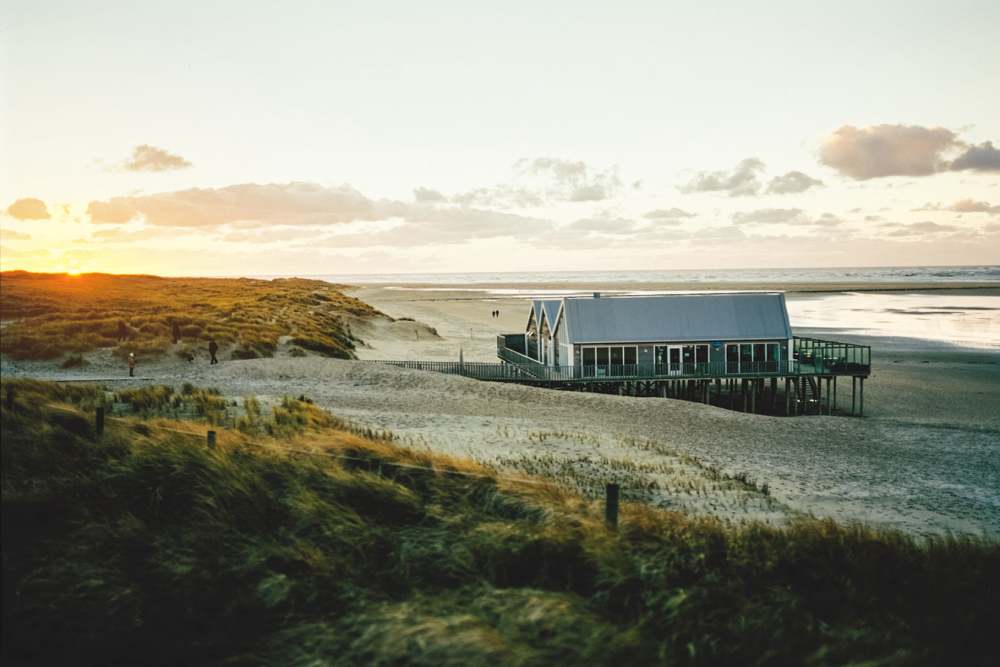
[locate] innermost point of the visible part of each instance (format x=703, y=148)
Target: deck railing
x=832, y=357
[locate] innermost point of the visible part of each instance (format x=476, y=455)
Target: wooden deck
x=814, y=362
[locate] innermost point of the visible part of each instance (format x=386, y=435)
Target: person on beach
x=131, y=364
x=213, y=347
x=176, y=330
x=122, y=331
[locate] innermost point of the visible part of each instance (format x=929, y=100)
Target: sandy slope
x=926, y=458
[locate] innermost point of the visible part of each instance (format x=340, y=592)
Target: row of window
x=602, y=360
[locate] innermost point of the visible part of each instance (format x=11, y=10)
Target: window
x=753, y=357
x=600, y=360
x=733, y=359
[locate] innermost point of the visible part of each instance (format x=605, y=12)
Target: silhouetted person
x=176, y=329
x=122, y=330
x=131, y=364
x=213, y=347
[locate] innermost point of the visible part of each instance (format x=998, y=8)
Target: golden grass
x=55, y=314
x=143, y=546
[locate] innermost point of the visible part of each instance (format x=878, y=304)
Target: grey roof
x=677, y=317
x=551, y=308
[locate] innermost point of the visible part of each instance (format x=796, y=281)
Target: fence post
x=211, y=439
x=99, y=420
x=611, y=506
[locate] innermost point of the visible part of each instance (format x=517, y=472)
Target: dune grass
x=142, y=546
x=58, y=314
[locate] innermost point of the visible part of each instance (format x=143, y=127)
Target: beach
x=925, y=458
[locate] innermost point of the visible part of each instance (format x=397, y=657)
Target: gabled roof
x=677, y=317
x=551, y=309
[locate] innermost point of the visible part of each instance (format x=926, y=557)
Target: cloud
x=791, y=183
x=744, y=179
x=28, y=208
x=983, y=157
x=918, y=228
x=428, y=195
x=257, y=213
x=792, y=216
x=573, y=180
x=887, y=150
x=542, y=180
x=903, y=150
x=13, y=235
x=500, y=196
x=150, y=158
x=290, y=204
x=767, y=216
x=667, y=214
x=963, y=206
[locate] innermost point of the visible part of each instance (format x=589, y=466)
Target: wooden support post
x=99, y=420
x=753, y=396
x=854, y=392
x=834, y=392
x=861, y=397
x=211, y=439
x=745, y=397
x=828, y=397
x=611, y=506
x=819, y=395
x=787, y=398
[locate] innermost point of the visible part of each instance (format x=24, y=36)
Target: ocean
x=961, y=318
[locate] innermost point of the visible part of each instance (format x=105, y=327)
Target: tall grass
x=57, y=314
x=144, y=547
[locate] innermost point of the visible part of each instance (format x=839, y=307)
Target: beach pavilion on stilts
x=736, y=350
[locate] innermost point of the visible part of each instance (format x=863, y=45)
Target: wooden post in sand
x=861, y=397
x=211, y=439
x=99, y=420
x=854, y=392
x=611, y=506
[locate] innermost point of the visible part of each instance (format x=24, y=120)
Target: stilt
x=787, y=398
x=835, y=392
x=854, y=392
x=861, y=397
x=819, y=395
x=745, y=397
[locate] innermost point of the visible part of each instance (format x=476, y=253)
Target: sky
x=250, y=138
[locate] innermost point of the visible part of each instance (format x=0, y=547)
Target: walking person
x=131, y=364
x=213, y=347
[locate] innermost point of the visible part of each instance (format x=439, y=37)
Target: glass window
x=702, y=354
x=746, y=358
x=588, y=356
x=616, y=356
x=602, y=356
x=630, y=356
x=732, y=358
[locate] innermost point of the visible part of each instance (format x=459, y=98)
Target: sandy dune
x=926, y=458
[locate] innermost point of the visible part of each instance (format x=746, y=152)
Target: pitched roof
x=677, y=317
x=550, y=307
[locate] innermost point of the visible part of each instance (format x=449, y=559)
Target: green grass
x=144, y=547
x=56, y=314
